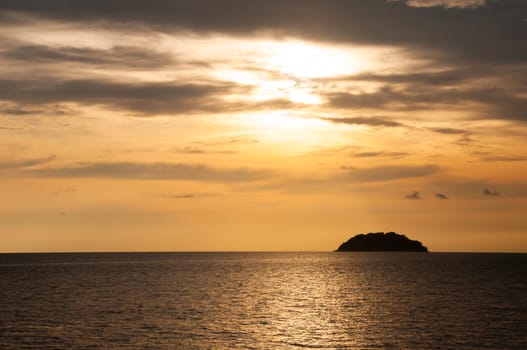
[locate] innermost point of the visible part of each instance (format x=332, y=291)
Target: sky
x=239, y=125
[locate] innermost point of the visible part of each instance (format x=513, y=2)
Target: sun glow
x=304, y=60
x=270, y=89
x=296, y=129
x=285, y=69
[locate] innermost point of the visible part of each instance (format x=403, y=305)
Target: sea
x=329, y=300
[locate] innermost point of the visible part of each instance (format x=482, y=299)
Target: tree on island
x=381, y=241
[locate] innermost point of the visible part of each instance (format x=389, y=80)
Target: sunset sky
x=262, y=125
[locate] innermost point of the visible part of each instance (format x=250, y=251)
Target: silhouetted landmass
x=381, y=241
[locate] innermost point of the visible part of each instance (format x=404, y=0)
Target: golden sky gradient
x=262, y=125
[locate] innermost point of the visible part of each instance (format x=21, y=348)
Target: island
x=381, y=241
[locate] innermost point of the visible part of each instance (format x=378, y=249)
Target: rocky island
x=381, y=241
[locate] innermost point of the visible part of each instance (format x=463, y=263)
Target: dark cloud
x=426, y=78
x=20, y=110
x=465, y=140
x=503, y=104
x=9, y=18
x=188, y=195
x=387, y=173
x=458, y=44
x=120, y=56
x=26, y=163
x=414, y=196
x=389, y=98
x=196, y=150
x=490, y=103
x=489, y=192
x=504, y=159
x=183, y=196
x=492, y=33
x=367, y=121
x=142, y=98
x=449, y=131
x=151, y=171
x=444, y=3
x=441, y=196
x=373, y=100
x=10, y=128
x=380, y=154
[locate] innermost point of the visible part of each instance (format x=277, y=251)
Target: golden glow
x=268, y=162
x=285, y=68
x=265, y=89
x=299, y=132
x=304, y=60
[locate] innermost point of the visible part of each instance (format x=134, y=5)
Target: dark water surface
x=263, y=301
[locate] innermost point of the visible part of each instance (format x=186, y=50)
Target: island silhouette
x=380, y=241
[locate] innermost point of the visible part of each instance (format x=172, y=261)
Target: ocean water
x=263, y=301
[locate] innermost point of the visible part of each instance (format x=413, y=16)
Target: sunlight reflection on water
x=263, y=301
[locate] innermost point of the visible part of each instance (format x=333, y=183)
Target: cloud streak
x=414, y=196
x=446, y=3
x=26, y=163
x=433, y=29
x=387, y=173
x=380, y=154
x=152, y=171
x=117, y=56
x=441, y=196
x=140, y=98
x=488, y=102
x=143, y=98
x=366, y=121
x=490, y=193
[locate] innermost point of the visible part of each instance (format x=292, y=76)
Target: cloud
x=19, y=111
x=465, y=140
x=431, y=78
x=387, y=173
x=461, y=33
x=446, y=3
x=337, y=182
x=489, y=102
x=196, y=150
x=151, y=171
x=414, y=196
x=489, y=192
x=380, y=154
x=117, y=56
x=22, y=110
x=453, y=56
x=390, y=98
x=140, y=98
x=145, y=98
x=504, y=159
x=441, y=196
x=188, y=195
x=26, y=163
x=184, y=196
x=449, y=131
x=370, y=100
x=367, y=121
x=10, y=128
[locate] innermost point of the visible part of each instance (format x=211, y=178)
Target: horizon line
x=251, y=251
